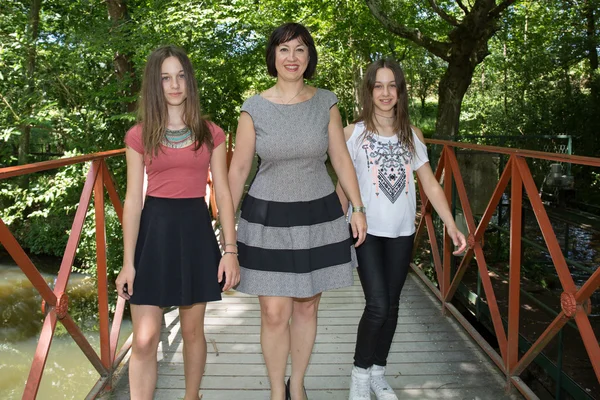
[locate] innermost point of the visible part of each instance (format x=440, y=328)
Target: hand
x=125, y=281
x=358, y=222
x=231, y=267
x=458, y=239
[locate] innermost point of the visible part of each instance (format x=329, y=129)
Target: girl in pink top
x=171, y=256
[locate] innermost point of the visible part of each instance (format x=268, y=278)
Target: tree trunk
x=465, y=48
x=594, y=78
x=358, y=76
x=452, y=89
x=24, y=140
x=117, y=13
x=592, y=52
x=505, y=82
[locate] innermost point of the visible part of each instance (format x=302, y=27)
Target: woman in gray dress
x=293, y=238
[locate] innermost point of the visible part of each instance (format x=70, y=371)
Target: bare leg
x=147, y=321
x=275, y=340
x=303, y=334
x=194, y=348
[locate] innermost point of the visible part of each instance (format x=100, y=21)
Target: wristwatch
x=361, y=209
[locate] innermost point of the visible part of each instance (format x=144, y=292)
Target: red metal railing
x=574, y=301
x=55, y=302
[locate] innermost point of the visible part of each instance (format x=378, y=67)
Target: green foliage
x=39, y=216
x=536, y=80
x=423, y=116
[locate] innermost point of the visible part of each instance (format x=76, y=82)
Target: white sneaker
x=379, y=386
x=359, y=387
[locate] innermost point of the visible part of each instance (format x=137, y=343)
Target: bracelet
x=361, y=209
x=230, y=244
x=230, y=252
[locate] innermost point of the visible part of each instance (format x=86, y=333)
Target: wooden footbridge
x=439, y=351
x=431, y=357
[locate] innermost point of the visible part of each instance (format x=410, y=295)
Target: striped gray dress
x=293, y=238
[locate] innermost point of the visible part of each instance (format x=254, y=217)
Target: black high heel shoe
x=288, y=396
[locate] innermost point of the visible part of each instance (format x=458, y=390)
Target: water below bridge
x=68, y=373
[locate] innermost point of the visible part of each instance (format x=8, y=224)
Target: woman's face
x=385, y=91
x=291, y=60
x=173, y=81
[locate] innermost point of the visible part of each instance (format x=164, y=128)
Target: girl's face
x=173, y=81
x=291, y=59
x=385, y=92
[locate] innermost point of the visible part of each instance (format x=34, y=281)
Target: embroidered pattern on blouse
x=389, y=165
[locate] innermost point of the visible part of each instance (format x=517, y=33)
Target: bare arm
x=229, y=263
x=338, y=189
x=343, y=199
x=342, y=163
x=245, y=144
x=436, y=196
x=132, y=210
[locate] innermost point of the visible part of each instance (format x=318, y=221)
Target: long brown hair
x=152, y=106
x=367, y=115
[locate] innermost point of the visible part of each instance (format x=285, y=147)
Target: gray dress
x=293, y=238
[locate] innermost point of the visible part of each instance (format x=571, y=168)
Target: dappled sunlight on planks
x=431, y=356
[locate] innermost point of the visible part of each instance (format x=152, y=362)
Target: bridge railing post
x=575, y=302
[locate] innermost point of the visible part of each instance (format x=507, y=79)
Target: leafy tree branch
x=446, y=17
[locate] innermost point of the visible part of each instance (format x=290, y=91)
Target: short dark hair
x=285, y=33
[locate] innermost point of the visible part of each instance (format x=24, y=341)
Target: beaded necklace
x=177, y=139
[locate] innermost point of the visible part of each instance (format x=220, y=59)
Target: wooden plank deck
x=431, y=357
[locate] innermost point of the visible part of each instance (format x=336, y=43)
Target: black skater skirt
x=176, y=255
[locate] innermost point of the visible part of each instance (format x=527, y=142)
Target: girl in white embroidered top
x=386, y=150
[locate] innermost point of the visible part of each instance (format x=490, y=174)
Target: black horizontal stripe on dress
x=288, y=214
x=295, y=261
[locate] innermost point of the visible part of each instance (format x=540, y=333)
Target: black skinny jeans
x=383, y=265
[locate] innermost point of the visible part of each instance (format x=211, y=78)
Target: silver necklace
x=296, y=95
x=177, y=139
